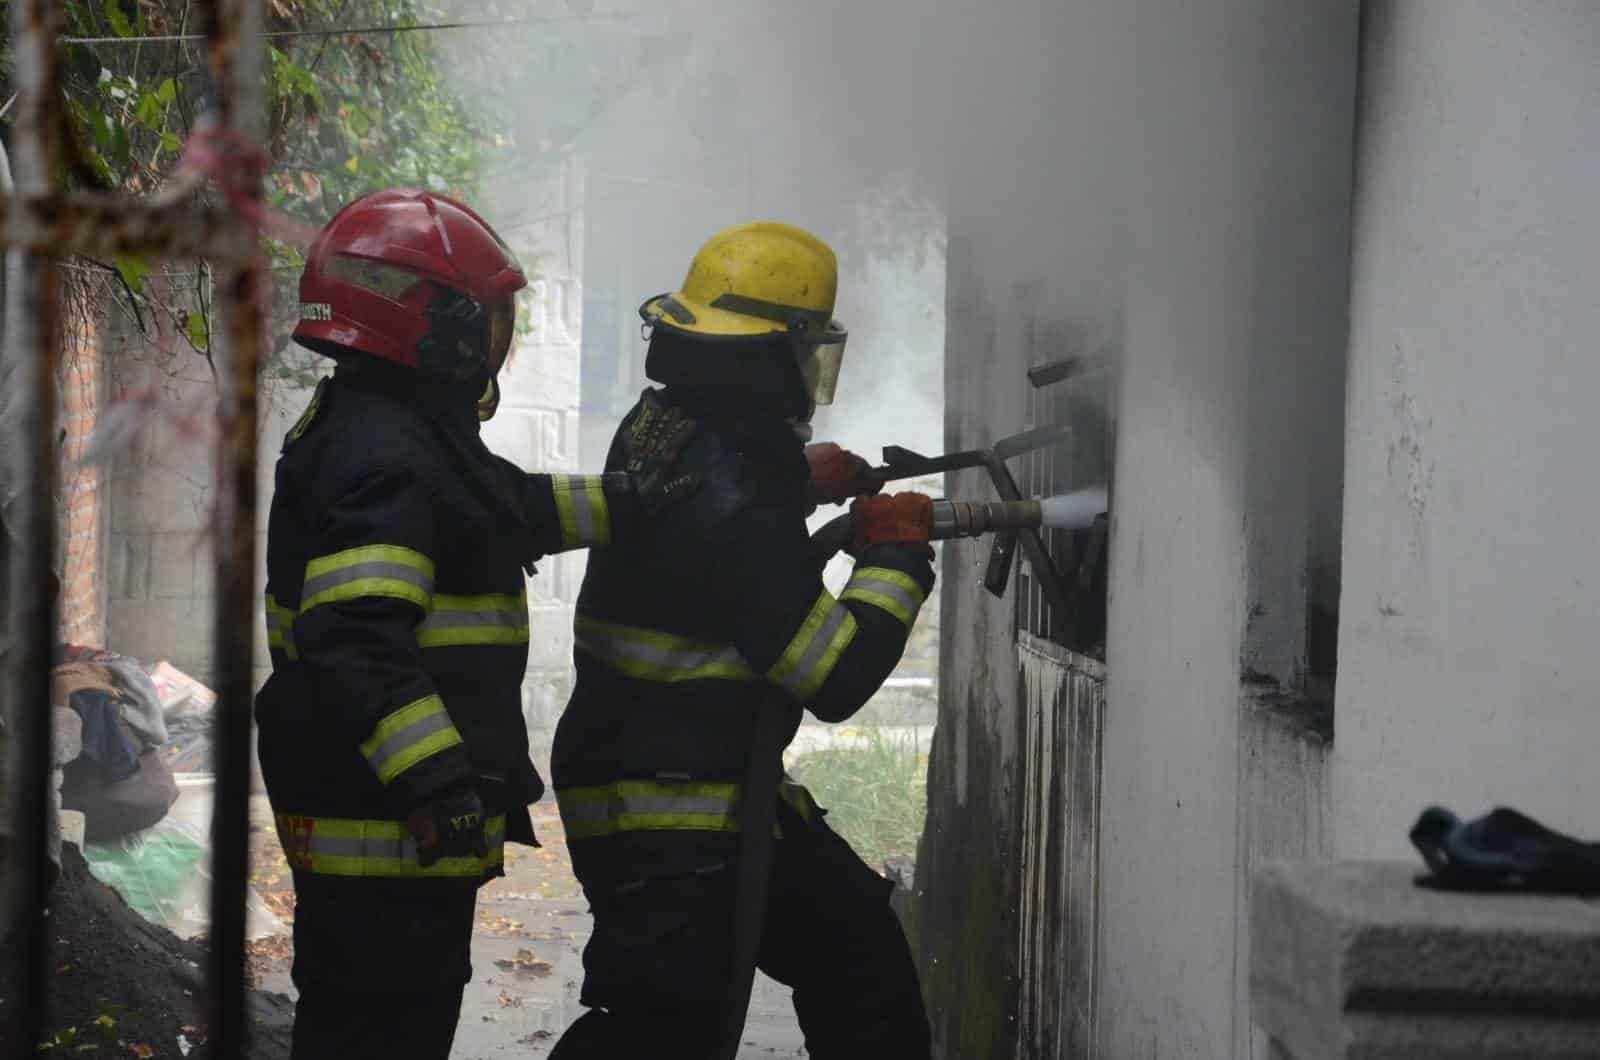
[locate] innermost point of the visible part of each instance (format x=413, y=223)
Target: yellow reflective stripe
x=651, y=655
x=492, y=618
x=815, y=649
x=280, y=627
x=647, y=805
x=582, y=510
x=416, y=731
x=887, y=589
x=337, y=846
x=371, y=570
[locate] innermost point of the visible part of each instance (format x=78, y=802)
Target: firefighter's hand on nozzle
x=451, y=826
x=896, y=518
x=837, y=474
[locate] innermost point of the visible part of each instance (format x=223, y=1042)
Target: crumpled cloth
x=1503, y=850
x=79, y=667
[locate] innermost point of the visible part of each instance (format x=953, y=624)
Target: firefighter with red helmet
x=392, y=738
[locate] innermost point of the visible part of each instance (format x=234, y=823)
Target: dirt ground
x=123, y=987
x=527, y=953
x=119, y=986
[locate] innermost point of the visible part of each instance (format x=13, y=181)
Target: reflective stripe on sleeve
x=815, y=649
x=416, y=731
x=372, y=570
x=489, y=619
x=582, y=509
x=280, y=627
x=339, y=846
x=651, y=655
x=648, y=805
x=886, y=589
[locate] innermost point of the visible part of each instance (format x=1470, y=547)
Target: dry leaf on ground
x=524, y=963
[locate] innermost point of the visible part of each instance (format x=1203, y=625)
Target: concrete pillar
x=1353, y=959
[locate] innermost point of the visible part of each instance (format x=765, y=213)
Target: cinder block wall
x=536, y=427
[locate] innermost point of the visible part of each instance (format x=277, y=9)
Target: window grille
x=40, y=224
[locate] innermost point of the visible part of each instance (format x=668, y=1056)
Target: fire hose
x=779, y=714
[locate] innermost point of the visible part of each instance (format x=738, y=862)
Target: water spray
x=1065, y=511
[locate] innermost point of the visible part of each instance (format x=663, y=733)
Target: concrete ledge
x=1352, y=959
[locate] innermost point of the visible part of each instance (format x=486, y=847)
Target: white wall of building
x=1238, y=186
x=1469, y=672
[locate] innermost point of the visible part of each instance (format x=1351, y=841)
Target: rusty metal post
x=27, y=373
x=233, y=35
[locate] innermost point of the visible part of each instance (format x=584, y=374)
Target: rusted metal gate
x=41, y=224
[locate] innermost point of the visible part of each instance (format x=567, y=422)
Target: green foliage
x=875, y=791
x=346, y=114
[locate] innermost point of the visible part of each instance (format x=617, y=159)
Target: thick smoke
x=673, y=121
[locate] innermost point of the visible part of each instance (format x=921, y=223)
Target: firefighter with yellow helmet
x=680, y=634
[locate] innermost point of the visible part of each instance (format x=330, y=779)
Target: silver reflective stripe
x=651, y=655
x=807, y=675
x=586, y=811
x=674, y=656
x=416, y=732
x=359, y=571
x=368, y=847
x=450, y=619
x=582, y=512
x=512, y=622
x=910, y=601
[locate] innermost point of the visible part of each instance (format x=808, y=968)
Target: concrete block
x=545, y=695
x=128, y=576
x=178, y=630
x=1352, y=959
x=550, y=639
x=159, y=497
x=175, y=559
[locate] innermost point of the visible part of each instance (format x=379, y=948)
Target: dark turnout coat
x=397, y=620
x=683, y=627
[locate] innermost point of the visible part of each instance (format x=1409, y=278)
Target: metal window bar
x=39, y=224
x=1074, y=391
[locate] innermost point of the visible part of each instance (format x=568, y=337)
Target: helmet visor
x=502, y=327
x=821, y=354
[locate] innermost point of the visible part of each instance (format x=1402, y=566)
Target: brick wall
x=82, y=611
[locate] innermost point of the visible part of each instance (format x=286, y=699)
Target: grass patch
x=874, y=787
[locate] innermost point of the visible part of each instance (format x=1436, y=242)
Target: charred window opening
x=1071, y=391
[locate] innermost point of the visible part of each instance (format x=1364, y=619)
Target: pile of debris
x=120, y=986
x=129, y=742
x=110, y=730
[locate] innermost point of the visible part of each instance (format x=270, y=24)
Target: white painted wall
x=1469, y=670
x=1180, y=175
x=1237, y=185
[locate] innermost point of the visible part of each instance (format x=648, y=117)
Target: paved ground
x=527, y=947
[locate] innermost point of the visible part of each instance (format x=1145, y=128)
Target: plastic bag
x=164, y=873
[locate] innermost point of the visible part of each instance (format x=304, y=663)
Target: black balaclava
x=743, y=378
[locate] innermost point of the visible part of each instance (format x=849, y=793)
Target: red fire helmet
x=374, y=270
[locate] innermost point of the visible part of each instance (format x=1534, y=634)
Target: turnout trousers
x=380, y=967
x=657, y=966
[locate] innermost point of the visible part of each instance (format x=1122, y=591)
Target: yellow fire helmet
x=757, y=279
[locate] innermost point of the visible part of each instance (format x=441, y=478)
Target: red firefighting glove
x=837, y=475
x=898, y=518
x=451, y=826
